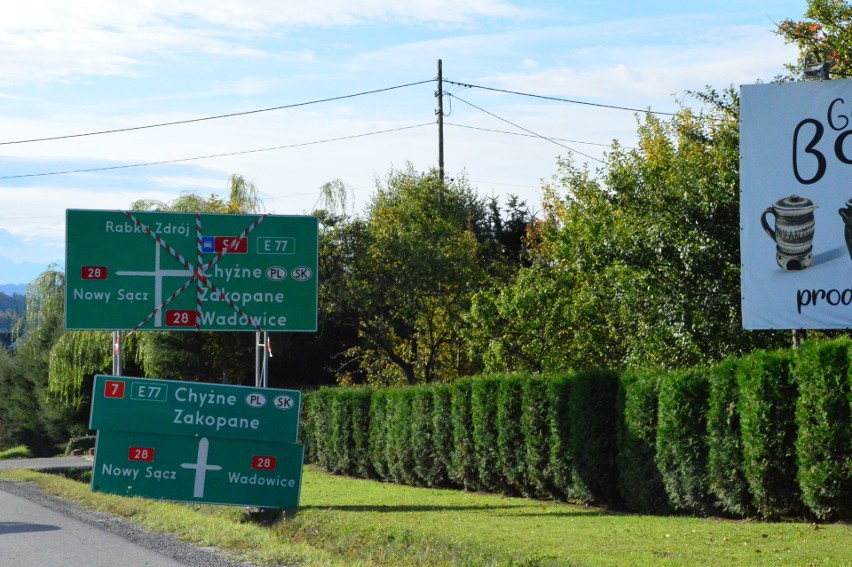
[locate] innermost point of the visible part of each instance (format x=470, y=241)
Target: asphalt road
x=38, y=529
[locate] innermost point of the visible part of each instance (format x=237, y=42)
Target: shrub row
x=766, y=435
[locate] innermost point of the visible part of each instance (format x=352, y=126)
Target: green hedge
x=824, y=442
x=535, y=432
x=317, y=428
x=483, y=411
x=398, y=445
x=682, y=439
x=422, y=437
x=378, y=432
x=768, y=434
x=438, y=473
x=462, y=469
x=767, y=419
x=560, y=468
x=592, y=436
x=726, y=472
x=511, y=454
x=640, y=481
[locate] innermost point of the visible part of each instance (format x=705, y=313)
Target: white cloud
x=45, y=41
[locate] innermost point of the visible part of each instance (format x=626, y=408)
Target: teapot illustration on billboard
x=794, y=231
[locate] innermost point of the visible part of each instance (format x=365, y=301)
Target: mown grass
x=347, y=521
x=19, y=452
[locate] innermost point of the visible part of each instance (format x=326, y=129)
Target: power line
x=525, y=135
x=551, y=140
x=206, y=118
x=559, y=99
x=181, y=160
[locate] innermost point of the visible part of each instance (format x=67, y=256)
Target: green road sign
x=171, y=407
x=130, y=270
x=198, y=469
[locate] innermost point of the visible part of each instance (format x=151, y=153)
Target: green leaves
x=403, y=275
x=825, y=35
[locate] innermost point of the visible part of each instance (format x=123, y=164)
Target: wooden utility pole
x=440, y=112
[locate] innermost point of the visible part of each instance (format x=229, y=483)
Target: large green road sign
x=197, y=409
x=129, y=270
x=198, y=469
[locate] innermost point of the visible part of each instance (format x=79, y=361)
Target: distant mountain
x=12, y=289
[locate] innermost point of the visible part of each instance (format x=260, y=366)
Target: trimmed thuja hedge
x=766, y=435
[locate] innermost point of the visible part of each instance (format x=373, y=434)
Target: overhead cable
x=551, y=140
x=524, y=135
x=181, y=160
x=560, y=99
x=216, y=117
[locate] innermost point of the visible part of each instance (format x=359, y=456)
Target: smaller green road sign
x=197, y=469
x=171, y=407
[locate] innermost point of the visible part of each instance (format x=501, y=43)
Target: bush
x=767, y=420
x=560, y=467
x=82, y=443
x=398, y=440
x=483, y=409
x=824, y=428
x=422, y=439
x=352, y=449
x=510, y=437
x=640, y=482
x=442, y=436
x=19, y=452
x=682, y=439
x=725, y=467
x=338, y=435
x=535, y=429
x=317, y=426
x=592, y=436
x=462, y=467
x=379, y=433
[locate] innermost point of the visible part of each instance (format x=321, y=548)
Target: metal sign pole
x=258, y=370
x=116, y=353
x=267, y=352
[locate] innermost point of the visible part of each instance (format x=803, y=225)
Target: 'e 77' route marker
x=128, y=270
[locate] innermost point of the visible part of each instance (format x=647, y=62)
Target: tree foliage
x=825, y=34
x=638, y=265
x=403, y=273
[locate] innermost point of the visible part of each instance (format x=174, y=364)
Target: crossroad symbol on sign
x=201, y=467
x=158, y=274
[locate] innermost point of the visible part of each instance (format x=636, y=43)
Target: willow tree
x=42, y=419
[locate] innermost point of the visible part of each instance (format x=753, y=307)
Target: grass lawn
x=346, y=521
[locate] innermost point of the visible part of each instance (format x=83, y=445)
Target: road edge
x=166, y=545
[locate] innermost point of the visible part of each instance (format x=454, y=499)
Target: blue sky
x=93, y=65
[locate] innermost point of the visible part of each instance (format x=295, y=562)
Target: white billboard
x=796, y=205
